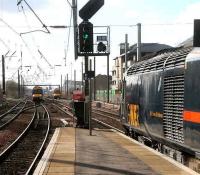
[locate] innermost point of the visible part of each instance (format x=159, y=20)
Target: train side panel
x=163, y=103
x=151, y=110
x=144, y=98
x=192, y=100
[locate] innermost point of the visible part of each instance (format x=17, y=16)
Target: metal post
x=21, y=78
x=82, y=75
x=126, y=49
x=18, y=85
x=86, y=80
x=74, y=8
x=90, y=102
x=124, y=96
x=74, y=79
x=67, y=86
x=70, y=87
x=108, y=79
x=139, y=42
x=21, y=61
x=3, y=75
x=86, y=113
x=21, y=89
x=61, y=84
x=124, y=80
x=94, y=78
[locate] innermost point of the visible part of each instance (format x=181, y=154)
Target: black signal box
x=90, y=9
x=86, y=37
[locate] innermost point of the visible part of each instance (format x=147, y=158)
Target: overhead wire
x=15, y=73
x=42, y=56
x=26, y=45
x=28, y=25
x=43, y=25
x=18, y=34
x=69, y=3
x=4, y=44
x=11, y=28
x=117, y=25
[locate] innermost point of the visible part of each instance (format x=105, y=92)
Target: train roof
x=37, y=87
x=166, y=58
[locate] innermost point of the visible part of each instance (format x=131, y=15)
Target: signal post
x=91, y=43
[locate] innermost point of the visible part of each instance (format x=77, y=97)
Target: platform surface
x=73, y=151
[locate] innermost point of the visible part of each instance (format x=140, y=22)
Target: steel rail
x=107, y=125
x=31, y=167
x=10, y=110
x=14, y=117
x=113, y=118
x=104, y=111
x=68, y=113
x=14, y=143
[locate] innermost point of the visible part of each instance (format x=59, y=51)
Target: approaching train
x=163, y=102
x=57, y=93
x=37, y=94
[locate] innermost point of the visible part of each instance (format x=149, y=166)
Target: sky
x=163, y=21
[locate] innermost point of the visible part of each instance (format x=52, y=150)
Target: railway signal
x=86, y=36
x=86, y=48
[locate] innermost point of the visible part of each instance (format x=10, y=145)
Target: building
x=118, y=69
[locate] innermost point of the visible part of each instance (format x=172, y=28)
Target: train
x=163, y=102
x=78, y=95
x=57, y=93
x=37, y=94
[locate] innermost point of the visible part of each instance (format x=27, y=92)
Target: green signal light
x=85, y=36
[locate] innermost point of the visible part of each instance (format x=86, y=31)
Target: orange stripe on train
x=191, y=116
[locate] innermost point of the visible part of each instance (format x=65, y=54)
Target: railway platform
x=73, y=151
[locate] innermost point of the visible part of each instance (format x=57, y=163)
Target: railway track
x=21, y=155
x=107, y=118
x=70, y=118
x=14, y=112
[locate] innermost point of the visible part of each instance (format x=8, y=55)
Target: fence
x=101, y=95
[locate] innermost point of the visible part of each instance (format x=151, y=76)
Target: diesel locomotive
x=163, y=101
x=37, y=94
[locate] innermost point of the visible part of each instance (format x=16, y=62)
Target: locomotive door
x=133, y=105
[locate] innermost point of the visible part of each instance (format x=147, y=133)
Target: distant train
x=57, y=93
x=163, y=102
x=78, y=95
x=37, y=94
